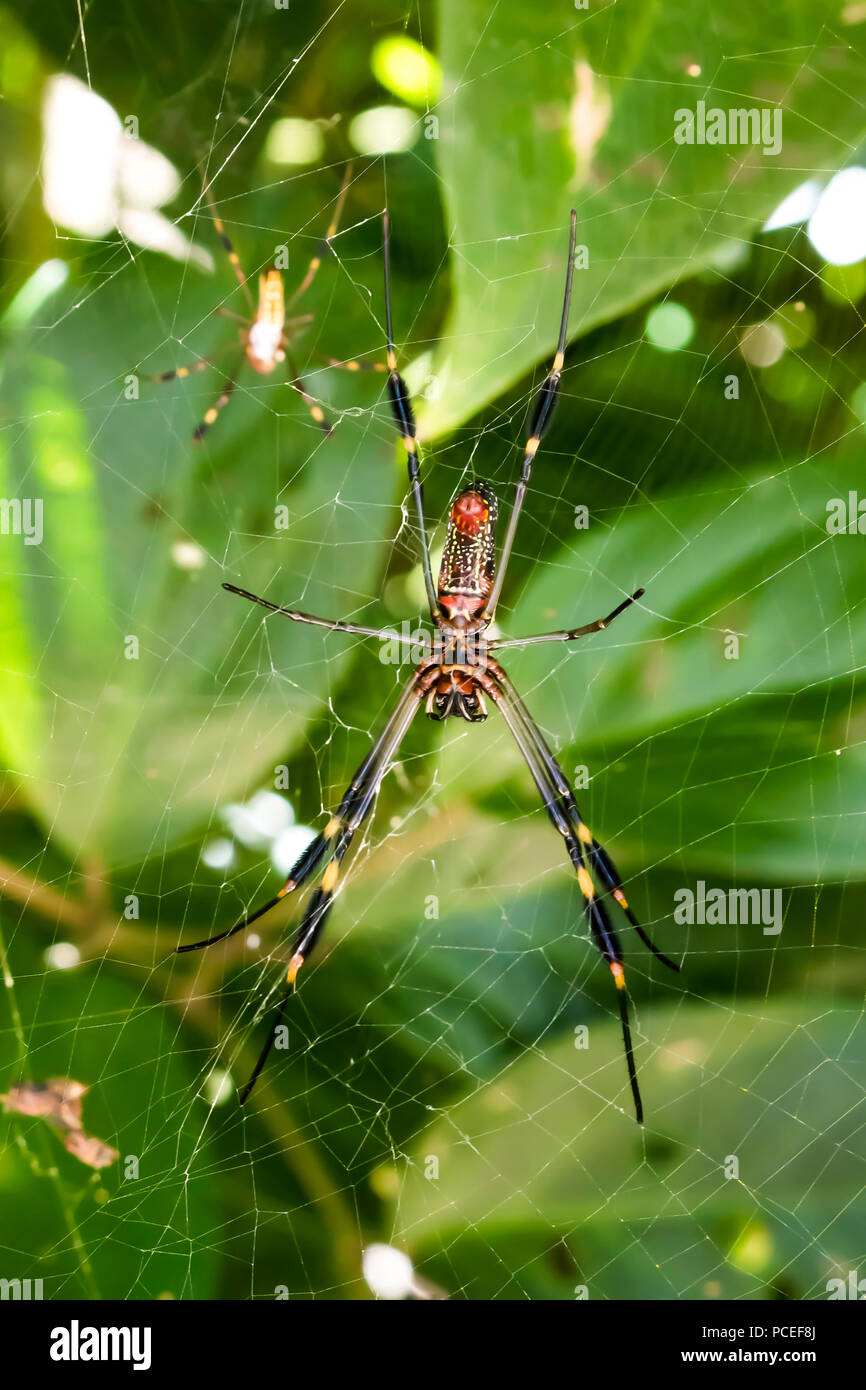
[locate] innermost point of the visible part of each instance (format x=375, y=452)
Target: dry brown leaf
x=58, y=1101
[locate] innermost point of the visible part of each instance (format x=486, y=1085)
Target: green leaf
x=135, y=695
x=715, y=747
x=545, y=1149
x=548, y=108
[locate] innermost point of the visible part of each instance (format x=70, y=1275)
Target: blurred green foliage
x=450, y=1036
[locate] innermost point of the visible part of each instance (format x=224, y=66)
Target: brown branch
x=38, y=896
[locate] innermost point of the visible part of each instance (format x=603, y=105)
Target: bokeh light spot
x=670, y=326
x=383, y=130
x=294, y=141
x=405, y=68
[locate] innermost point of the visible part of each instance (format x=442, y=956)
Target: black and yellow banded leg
x=334, y=841
x=607, y=941
x=316, y=262
x=308, y=934
x=244, y=922
x=356, y=796
x=351, y=364
x=266, y=1050
x=350, y=815
x=606, y=871
x=316, y=915
x=231, y=253
x=537, y=424
x=601, y=928
x=180, y=373
x=600, y=861
x=602, y=864
x=211, y=415
x=404, y=419
x=305, y=865
x=312, y=925
x=310, y=402
x=354, y=808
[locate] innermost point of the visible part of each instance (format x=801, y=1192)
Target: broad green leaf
x=546, y=1149
x=135, y=695
x=549, y=107
x=702, y=747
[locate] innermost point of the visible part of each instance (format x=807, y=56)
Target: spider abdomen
x=469, y=558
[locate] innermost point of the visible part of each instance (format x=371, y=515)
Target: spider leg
x=334, y=841
x=222, y=401
x=305, y=865
x=601, y=928
x=606, y=870
x=351, y=813
x=238, y=926
x=351, y=364
x=353, y=810
x=312, y=405
x=315, y=263
x=299, y=617
x=401, y=409
x=308, y=934
x=570, y=634
x=539, y=420
x=266, y=1050
x=234, y=258
x=314, y=919
x=598, y=857
x=179, y=373
x=561, y=808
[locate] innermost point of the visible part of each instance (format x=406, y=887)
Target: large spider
x=454, y=680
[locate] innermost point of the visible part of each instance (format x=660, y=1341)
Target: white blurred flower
x=96, y=178
x=836, y=215
x=389, y=1272
x=218, y=854
x=391, y=1275
x=290, y=845
x=259, y=821
x=796, y=208
x=837, y=227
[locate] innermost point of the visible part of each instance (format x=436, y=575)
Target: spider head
x=469, y=557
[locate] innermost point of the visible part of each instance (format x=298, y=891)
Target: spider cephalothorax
x=458, y=672
x=457, y=692
x=266, y=334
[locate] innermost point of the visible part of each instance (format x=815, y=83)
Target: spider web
x=438, y=1093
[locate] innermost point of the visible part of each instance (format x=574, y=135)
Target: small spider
x=456, y=680
x=266, y=335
